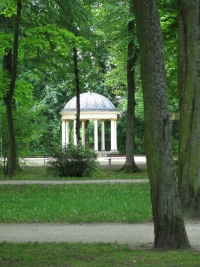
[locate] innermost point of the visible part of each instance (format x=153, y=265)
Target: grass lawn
x=91, y=255
x=75, y=203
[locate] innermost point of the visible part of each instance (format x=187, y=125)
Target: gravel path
x=74, y=181
x=87, y=233
x=132, y=234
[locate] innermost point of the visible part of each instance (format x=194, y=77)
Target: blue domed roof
x=90, y=101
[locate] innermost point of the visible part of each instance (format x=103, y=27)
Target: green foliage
x=6, y=42
x=112, y=23
x=73, y=161
x=138, y=124
x=169, y=22
x=26, y=128
x=4, y=83
x=50, y=37
x=138, y=134
x=8, y=7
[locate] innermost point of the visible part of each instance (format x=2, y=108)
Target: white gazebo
x=94, y=107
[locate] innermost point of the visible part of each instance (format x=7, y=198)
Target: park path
x=131, y=234
x=73, y=181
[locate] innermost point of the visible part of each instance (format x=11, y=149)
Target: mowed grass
x=75, y=203
x=91, y=255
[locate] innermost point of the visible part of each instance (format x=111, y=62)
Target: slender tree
x=77, y=86
x=130, y=165
x=10, y=63
x=169, y=228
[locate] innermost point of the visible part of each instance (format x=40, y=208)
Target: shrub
x=73, y=161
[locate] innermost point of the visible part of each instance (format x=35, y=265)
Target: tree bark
x=10, y=62
x=189, y=101
x=169, y=228
x=78, y=138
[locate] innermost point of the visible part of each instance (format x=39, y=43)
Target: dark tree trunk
x=189, y=101
x=169, y=228
x=12, y=155
x=130, y=165
x=86, y=133
x=77, y=84
x=10, y=72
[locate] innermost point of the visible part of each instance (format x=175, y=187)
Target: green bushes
x=73, y=161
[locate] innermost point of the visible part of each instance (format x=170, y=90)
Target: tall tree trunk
x=10, y=71
x=130, y=165
x=189, y=101
x=169, y=228
x=78, y=138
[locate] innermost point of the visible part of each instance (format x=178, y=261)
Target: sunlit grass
x=75, y=203
x=90, y=255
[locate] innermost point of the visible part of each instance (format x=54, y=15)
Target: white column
x=66, y=132
x=95, y=135
x=115, y=135
x=63, y=133
x=102, y=135
x=111, y=135
x=83, y=133
x=75, y=141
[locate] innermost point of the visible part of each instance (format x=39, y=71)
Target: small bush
x=73, y=161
